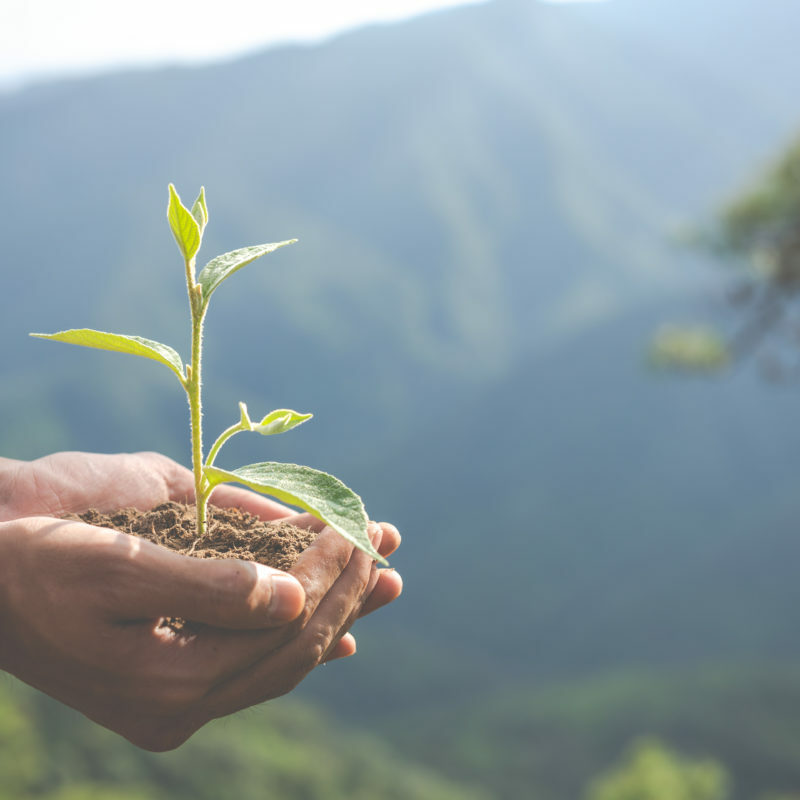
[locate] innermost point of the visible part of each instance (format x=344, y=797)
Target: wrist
x=9, y=472
x=9, y=533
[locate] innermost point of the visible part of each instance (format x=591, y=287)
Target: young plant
x=323, y=495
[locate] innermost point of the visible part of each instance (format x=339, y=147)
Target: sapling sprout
x=326, y=497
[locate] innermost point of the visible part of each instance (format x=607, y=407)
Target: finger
x=285, y=668
x=339, y=608
x=308, y=521
x=256, y=504
x=390, y=539
x=225, y=654
x=355, y=612
x=227, y=593
x=73, y=482
x=345, y=647
x=226, y=640
x=387, y=589
x=319, y=566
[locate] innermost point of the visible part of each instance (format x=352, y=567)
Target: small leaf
x=323, y=495
x=222, y=267
x=184, y=226
x=200, y=210
x=278, y=421
x=135, y=345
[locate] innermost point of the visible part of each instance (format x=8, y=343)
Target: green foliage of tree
x=759, y=232
x=549, y=742
x=287, y=750
x=97, y=791
x=695, y=347
x=763, y=223
x=780, y=797
x=20, y=753
x=651, y=771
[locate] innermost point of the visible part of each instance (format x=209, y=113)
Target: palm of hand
x=65, y=483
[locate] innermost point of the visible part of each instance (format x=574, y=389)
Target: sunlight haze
x=49, y=38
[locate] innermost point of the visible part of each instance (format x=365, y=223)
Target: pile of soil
x=231, y=533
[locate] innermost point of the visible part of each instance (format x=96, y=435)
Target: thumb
x=226, y=593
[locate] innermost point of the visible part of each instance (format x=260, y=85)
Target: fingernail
x=287, y=598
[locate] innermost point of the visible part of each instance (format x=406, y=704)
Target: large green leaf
x=222, y=267
x=135, y=345
x=184, y=226
x=323, y=495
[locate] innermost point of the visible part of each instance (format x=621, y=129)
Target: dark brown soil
x=231, y=533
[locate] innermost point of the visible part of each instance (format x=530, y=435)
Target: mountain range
x=489, y=203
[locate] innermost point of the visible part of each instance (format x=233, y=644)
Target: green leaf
x=323, y=495
x=200, y=210
x=135, y=345
x=184, y=226
x=278, y=421
x=689, y=347
x=222, y=267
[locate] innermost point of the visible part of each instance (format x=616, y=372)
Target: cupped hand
x=82, y=607
x=64, y=483
x=73, y=482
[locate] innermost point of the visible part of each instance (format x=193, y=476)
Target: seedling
x=323, y=495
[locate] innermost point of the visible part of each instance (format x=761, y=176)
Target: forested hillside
x=489, y=203
x=288, y=750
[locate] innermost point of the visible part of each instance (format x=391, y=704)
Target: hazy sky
x=42, y=38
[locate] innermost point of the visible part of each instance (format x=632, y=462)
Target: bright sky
x=44, y=38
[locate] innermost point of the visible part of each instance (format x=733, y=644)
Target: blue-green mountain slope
x=486, y=201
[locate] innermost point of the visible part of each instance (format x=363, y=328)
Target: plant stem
x=193, y=389
x=223, y=437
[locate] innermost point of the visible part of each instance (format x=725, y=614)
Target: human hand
x=72, y=482
x=91, y=635
x=64, y=483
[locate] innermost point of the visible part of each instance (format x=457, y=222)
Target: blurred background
x=499, y=205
